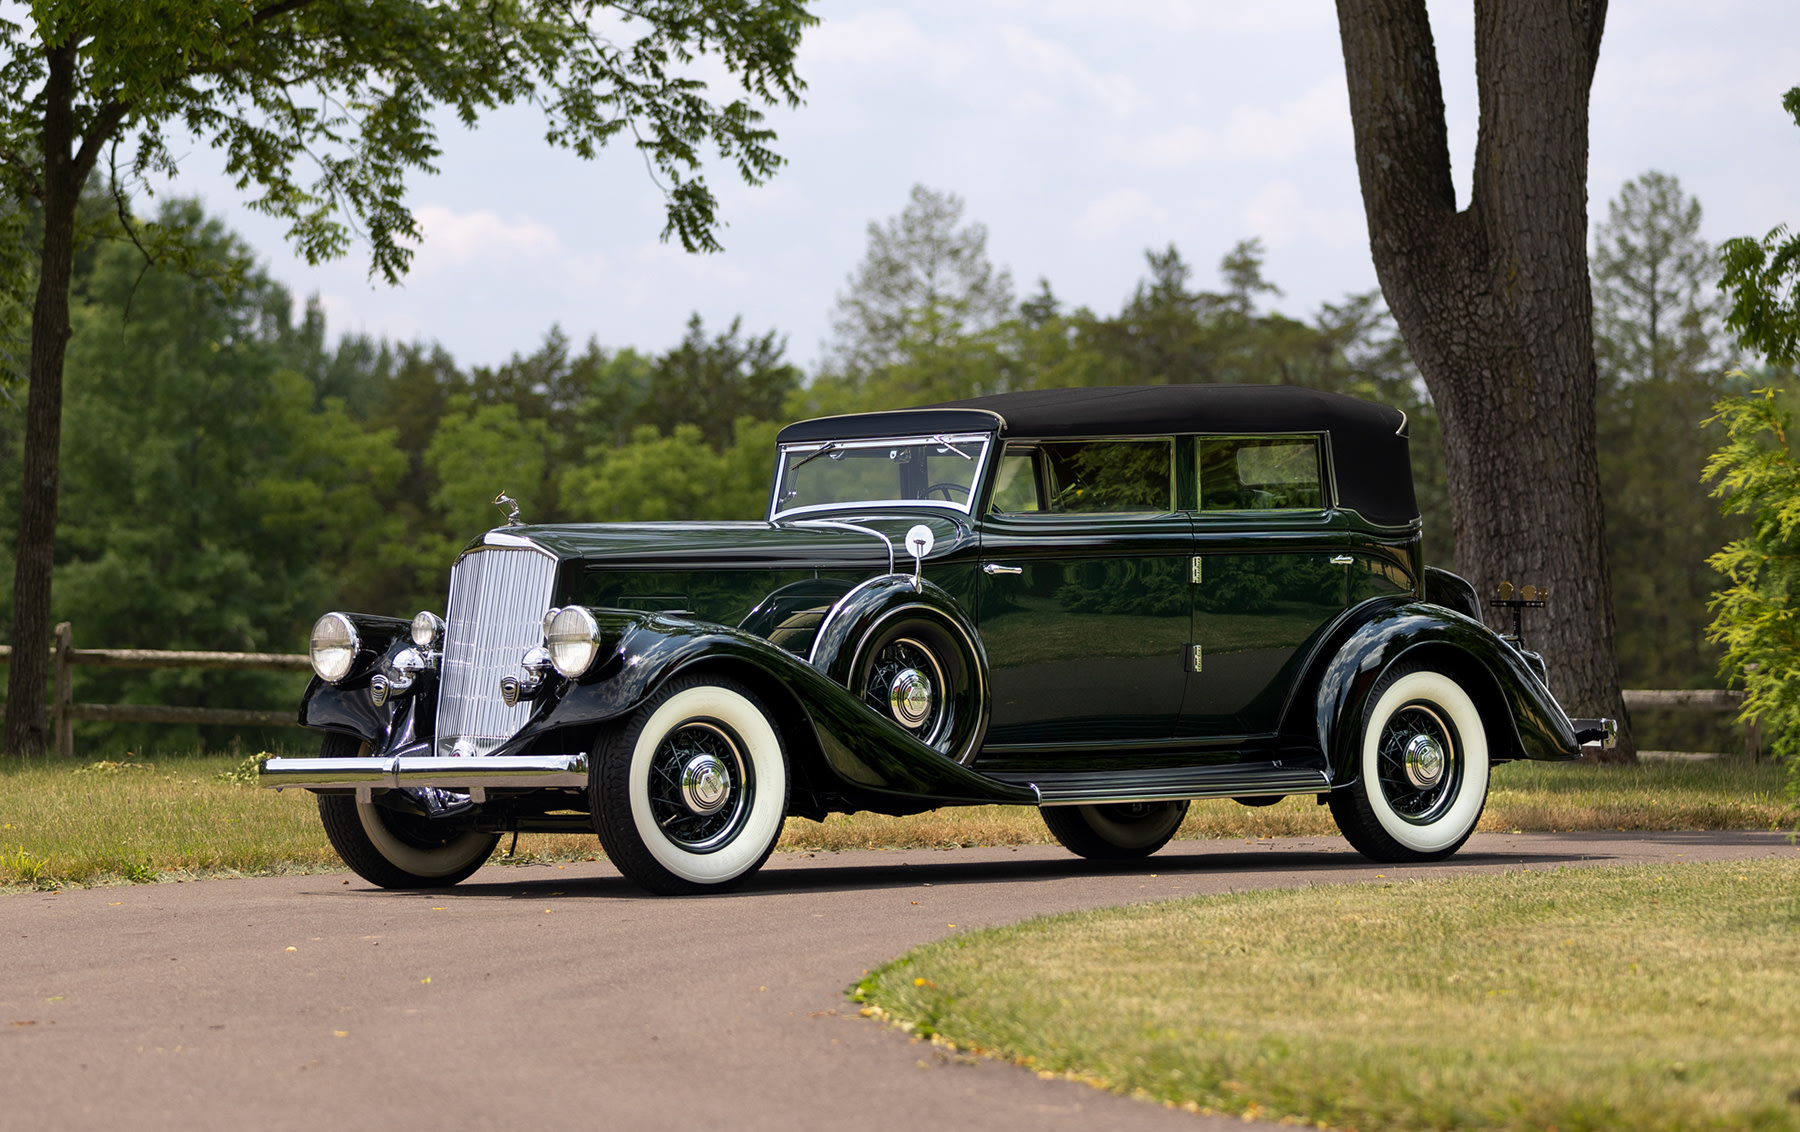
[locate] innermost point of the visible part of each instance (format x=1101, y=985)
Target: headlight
x=427, y=629
x=334, y=645
x=573, y=638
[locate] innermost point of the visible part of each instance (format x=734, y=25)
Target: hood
x=824, y=543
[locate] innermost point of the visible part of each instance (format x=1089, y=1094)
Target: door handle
x=1341, y=560
x=996, y=568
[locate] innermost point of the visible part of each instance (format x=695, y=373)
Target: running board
x=1167, y=784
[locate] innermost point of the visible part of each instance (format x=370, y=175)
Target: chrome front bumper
x=404, y=772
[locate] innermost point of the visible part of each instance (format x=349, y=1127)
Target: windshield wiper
x=952, y=447
x=823, y=448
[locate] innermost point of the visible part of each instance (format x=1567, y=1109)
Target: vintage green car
x=1100, y=602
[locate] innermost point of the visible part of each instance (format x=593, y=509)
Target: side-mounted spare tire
x=912, y=657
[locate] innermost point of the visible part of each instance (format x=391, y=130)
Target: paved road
x=553, y=997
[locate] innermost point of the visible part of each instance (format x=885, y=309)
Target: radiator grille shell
x=498, y=598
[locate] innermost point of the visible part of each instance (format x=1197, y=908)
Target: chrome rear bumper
x=400, y=772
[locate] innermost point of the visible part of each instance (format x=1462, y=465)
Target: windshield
x=936, y=470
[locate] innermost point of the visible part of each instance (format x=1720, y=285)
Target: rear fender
x=1523, y=719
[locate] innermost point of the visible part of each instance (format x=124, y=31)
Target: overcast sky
x=1080, y=132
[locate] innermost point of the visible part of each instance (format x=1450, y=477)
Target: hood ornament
x=511, y=506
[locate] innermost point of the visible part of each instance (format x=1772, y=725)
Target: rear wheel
x=1117, y=831
x=1422, y=770
x=690, y=795
x=394, y=849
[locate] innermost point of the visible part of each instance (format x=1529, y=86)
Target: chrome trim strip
x=886, y=541
x=519, y=772
x=499, y=537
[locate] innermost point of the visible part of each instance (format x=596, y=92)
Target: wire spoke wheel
x=1421, y=774
x=1418, y=763
x=689, y=795
x=700, y=785
x=906, y=682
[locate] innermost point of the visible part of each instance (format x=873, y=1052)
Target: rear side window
x=1261, y=473
x=1096, y=476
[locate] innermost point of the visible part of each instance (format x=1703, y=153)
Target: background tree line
x=229, y=471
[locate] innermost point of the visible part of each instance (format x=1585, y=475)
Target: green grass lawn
x=128, y=819
x=1606, y=998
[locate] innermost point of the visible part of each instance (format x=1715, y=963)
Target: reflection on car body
x=1101, y=602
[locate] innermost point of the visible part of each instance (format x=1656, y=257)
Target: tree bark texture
x=1495, y=303
x=26, y=732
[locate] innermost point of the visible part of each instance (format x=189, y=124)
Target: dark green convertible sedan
x=1099, y=602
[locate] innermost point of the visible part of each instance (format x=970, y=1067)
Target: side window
x=1016, y=486
x=1260, y=473
x=1096, y=476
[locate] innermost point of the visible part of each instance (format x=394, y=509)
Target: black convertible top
x=1368, y=441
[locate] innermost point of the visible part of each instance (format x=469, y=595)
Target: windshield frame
x=975, y=446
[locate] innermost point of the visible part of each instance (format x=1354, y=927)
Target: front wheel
x=690, y=795
x=392, y=849
x=1115, y=832
x=1422, y=770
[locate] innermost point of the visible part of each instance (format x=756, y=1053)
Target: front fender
x=1523, y=719
x=845, y=747
x=346, y=706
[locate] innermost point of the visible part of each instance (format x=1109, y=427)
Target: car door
x=1085, y=605
x=1271, y=571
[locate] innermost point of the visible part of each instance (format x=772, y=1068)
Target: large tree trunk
x=61, y=189
x=1494, y=301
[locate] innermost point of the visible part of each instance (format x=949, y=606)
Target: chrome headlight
x=573, y=638
x=334, y=645
x=427, y=629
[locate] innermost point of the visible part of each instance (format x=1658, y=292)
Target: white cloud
x=1320, y=118
x=1116, y=93
x=879, y=36
x=1116, y=211
x=1279, y=214
x=454, y=238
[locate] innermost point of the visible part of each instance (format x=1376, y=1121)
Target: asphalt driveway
x=561, y=997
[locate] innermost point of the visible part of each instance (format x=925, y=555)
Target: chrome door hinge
x=1194, y=572
x=1194, y=657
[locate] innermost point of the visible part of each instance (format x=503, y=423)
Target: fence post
x=65, y=691
x=1753, y=738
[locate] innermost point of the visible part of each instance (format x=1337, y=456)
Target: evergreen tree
x=1660, y=370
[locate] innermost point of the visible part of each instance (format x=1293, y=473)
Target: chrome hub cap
x=1419, y=763
x=705, y=784
x=909, y=698
x=701, y=786
x=1424, y=761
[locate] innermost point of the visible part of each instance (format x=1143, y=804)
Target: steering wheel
x=947, y=487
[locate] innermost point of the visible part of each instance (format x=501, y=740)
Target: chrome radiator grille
x=498, y=597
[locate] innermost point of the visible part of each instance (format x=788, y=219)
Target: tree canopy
x=323, y=109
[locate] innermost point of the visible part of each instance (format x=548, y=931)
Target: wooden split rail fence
x=65, y=711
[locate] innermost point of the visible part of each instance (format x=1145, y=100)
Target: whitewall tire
x=1421, y=771
x=690, y=795
x=394, y=849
